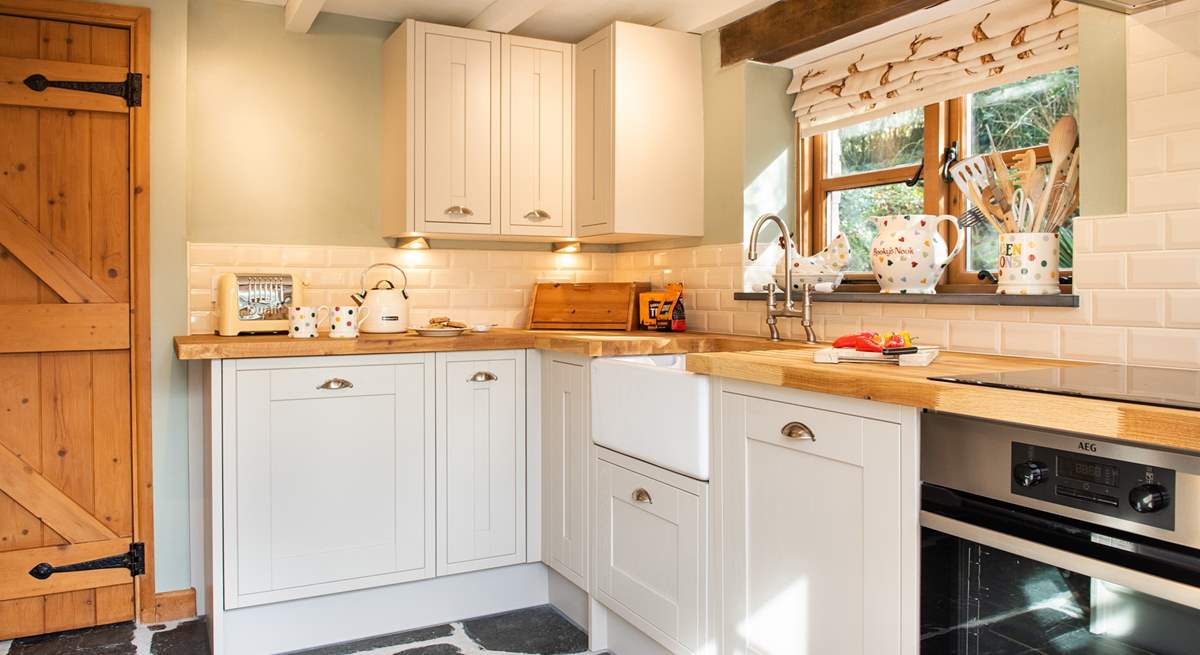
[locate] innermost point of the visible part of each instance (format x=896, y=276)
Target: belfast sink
x=651, y=408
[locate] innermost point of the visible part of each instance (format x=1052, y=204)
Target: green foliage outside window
x=1015, y=115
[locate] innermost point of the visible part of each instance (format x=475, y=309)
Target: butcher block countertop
x=794, y=368
x=785, y=364
x=588, y=344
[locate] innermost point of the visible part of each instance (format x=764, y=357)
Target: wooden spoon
x=1062, y=142
x=1035, y=188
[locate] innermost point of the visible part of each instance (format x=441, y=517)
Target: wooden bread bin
x=594, y=306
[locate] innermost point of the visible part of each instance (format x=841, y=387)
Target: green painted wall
x=284, y=128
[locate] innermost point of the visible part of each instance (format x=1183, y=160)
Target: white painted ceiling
x=560, y=20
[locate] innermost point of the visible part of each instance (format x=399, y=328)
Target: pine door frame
x=137, y=21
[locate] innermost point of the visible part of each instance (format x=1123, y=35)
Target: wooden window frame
x=949, y=120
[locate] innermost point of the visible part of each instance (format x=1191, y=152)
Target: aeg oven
x=1036, y=541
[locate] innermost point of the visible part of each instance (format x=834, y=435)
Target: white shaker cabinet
x=566, y=441
x=328, y=481
x=820, y=506
x=441, y=131
x=480, y=460
x=651, y=543
x=536, y=136
x=639, y=135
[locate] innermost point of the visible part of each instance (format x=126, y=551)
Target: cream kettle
x=387, y=306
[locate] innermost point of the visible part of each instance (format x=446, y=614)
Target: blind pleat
x=996, y=43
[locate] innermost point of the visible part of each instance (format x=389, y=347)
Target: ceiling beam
x=298, y=15
x=505, y=15
x=700, y=16
x=790, y=27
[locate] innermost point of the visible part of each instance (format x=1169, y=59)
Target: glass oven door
x=998, y=579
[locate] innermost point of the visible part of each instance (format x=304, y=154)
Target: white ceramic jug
x=909, y=254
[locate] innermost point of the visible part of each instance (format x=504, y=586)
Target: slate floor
x=532, y=631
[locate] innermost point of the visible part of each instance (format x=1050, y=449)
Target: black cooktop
x=1164, y=387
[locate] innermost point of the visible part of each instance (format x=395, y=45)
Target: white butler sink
x=652, y=409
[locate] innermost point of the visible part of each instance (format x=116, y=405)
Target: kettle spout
x=358, y=298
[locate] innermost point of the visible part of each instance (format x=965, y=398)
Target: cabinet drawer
x=332, y=382
x=836, y=436
x=650, y=551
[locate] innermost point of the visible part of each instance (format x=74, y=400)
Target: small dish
x=439, y=331
x=482, y=327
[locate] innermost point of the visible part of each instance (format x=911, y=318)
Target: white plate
x=439, y=331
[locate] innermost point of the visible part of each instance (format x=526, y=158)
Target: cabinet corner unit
x=477, y=134
x=639, y=134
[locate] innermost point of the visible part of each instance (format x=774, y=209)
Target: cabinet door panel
x=481, y=463
x=329, y=494
x=649, y=553
x=805, y=582
x=565, y=441
x=814, y=536
x=594, y=136
x=537, y=136
x=458, y=126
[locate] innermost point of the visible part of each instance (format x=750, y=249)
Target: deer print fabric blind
x=986, y=46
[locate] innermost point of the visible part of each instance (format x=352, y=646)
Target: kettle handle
x=959, y=240
x=363, y=279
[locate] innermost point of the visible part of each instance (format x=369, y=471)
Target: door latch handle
x=334, y=384
x=134, y=560
x=483, y=376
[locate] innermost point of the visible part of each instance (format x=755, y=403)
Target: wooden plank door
x=67, y=359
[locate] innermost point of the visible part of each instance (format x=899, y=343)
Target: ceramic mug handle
x=363, y=313
x=320, y=317
x=959, y=240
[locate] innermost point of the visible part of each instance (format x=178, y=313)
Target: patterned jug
x=909, y=254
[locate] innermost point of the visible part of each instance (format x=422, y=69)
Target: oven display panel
x=1089, y=471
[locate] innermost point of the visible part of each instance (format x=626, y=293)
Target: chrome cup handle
x=640, y=495
x=334, y=384
x=483, y=376
x=457, y=210
x=798, y=431
x=537, y=215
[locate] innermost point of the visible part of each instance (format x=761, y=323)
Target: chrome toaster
x=255, y=303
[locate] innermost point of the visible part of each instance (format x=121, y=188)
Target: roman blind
x=995, y=43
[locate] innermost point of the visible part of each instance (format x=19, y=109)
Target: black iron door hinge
x=130, y=89
x=134, y=560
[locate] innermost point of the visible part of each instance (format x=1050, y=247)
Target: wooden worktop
x=794, y=368
x=590, y=344
x=785, y=364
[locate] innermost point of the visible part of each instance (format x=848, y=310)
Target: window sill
x=994, y=299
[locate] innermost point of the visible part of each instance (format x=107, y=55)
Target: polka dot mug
x=1028, y=264
x=303, y=321
x=344, y=321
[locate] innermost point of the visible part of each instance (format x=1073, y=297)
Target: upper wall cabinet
x=639, y=135
x=476, y=134
x=441, y=131
x=536, y=135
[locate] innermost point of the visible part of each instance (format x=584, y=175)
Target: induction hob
x=1164, y=387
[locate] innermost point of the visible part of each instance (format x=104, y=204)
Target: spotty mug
x=303, y=321
x=344, y=321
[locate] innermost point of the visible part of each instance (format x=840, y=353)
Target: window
x=871, y=168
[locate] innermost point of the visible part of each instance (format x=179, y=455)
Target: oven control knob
x=1030, y=474
x=1149, y=498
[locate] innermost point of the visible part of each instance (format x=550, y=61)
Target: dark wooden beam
x=790, y=27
